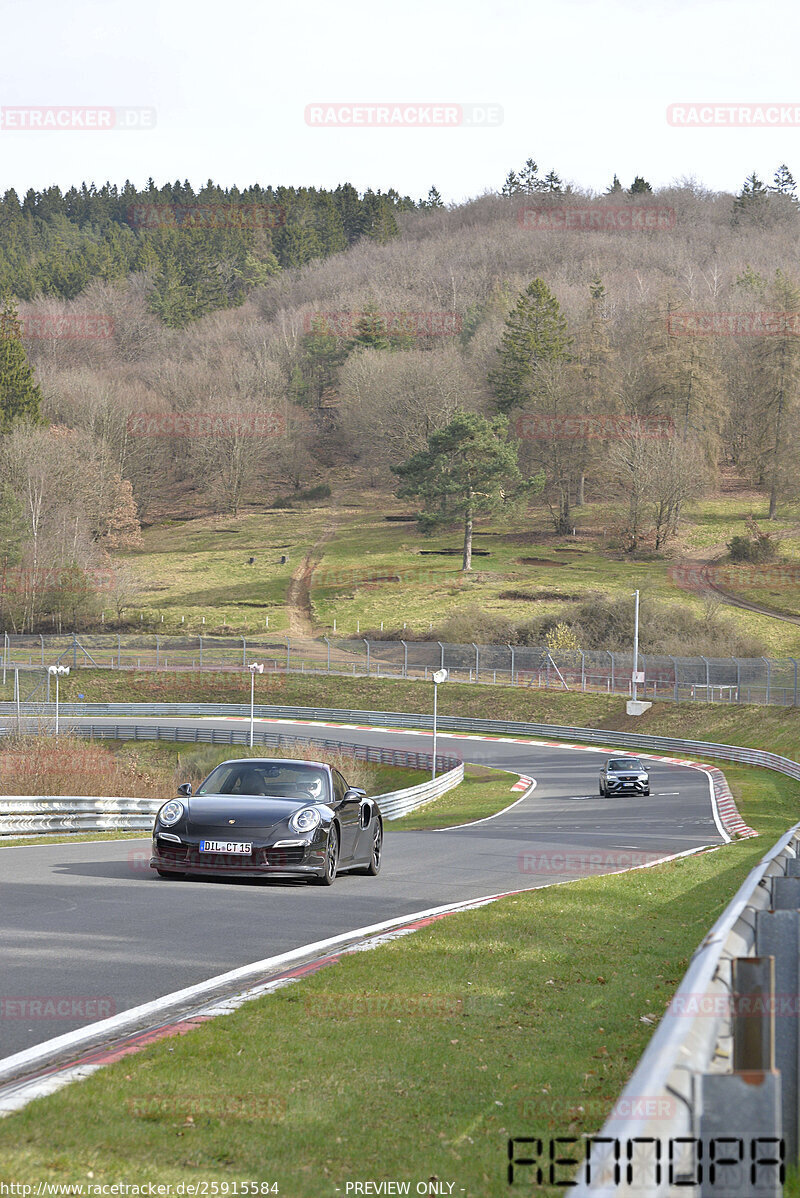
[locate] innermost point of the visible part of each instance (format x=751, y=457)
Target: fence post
x=244, y=652
x=288, y=653
x=41, y=643
x=158, y=648
x=200, y=639
x=583, y=669
x=405, y=659
x=738, y=679
x=511, y=648
x=611, y=655
x=643, y=660
x=441, y=662
x=477, y=660
x=676, y=694
x=769, y=675
x=74, y=650
x=327, y=642
x=794, y=663
x=366, y=642
x=119, y=652
x=5, y=655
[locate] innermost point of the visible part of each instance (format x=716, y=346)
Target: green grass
x=197, y=569
x=418, y=1059
x=483, y=792
x=57, y=838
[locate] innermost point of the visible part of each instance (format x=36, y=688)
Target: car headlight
x=305, y=820
x=170, y=813
x=643, y=777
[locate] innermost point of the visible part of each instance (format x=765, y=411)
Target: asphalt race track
x=91, y=921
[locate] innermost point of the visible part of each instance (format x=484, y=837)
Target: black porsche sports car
x=269, y=818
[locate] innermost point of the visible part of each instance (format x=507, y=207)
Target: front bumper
x=285, y=857
x=617, y=786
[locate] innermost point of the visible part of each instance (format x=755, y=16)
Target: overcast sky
x=581, y=86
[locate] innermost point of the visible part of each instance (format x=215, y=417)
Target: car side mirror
x=354, y=794
x=185, y=788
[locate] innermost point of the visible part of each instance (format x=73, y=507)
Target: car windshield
x=625, y=763
x=276, y=779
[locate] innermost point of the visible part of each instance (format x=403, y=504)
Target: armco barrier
x=29, y=815
x=716, y=1089
x=398, y=719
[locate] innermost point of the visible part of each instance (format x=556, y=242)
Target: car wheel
x=373, y=868
x=646, y=790
x=170, y=873
x=331, y=859
x=602, y=790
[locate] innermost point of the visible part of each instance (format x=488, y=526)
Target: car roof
x=320, y=765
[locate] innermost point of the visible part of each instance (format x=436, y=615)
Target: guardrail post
x=405, y=659
x=785, y=893
x=778, y=937
x=366, y=642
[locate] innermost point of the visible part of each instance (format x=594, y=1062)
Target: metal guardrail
x=26, y=815
x=722, y=1065
x=398, y=719
x=706, y=679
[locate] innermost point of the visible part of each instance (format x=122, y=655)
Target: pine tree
x=467, y=468
x=783, y=182
x=751, y=202
x=512, y=185
x=434, y=199
x=640, y=186
x=20, y=396
x=615, y=188
x=536, y=332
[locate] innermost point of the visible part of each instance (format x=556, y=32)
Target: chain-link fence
x=708, y=679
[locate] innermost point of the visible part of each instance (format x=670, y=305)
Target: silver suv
x=624, y=774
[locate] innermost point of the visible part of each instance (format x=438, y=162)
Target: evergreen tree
x=640, y=186
x=615, y=188
x=751, y=202
x=783, y=182
x=20, y=396
x=512, y=185
x=536, y=332
x=468, y=467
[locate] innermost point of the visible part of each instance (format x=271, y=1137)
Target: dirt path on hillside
x=700, y=581
x=298, y=594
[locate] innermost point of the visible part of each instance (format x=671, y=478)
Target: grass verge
x=483, y=792
x=417, y=1060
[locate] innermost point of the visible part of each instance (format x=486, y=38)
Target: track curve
x=90, y=921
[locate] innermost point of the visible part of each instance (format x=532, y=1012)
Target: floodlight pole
x=635, y=646
x=254, y=668
x=438, y=677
